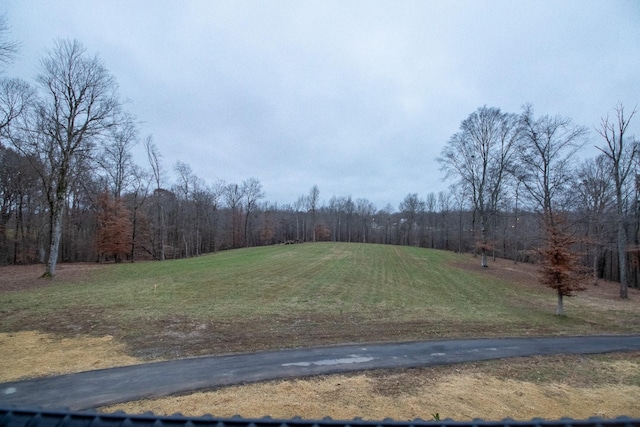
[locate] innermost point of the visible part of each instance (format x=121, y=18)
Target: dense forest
x=71, y=191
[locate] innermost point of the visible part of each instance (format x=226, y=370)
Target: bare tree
x=8, y=48
x=215, y=192
x=185, y=188
x=137, y=198
x=461, y=206
x=444, y=207
x=200, y=199
x=154, y=157
x=233, y=194
x=479, y=156
x=547, y=173
x=116, y=159
x=410, y=208
x=349, y=211
x=547, y=159
x=314, y=195
x=595, y=199
x=298, y=206
x=16, y=97
x=9, y=194
x=78, y=106
x=336, y=205
x=252, y=193
x=384, y=223
x=428, y=224
x=620, y=153
x=365, y=210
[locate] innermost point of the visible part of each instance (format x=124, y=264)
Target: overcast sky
x=358, y=97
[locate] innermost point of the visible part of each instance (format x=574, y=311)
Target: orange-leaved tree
x=560, y=266
x=113, y=236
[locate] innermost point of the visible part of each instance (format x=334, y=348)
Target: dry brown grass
x=34, y=354
x=456, y=393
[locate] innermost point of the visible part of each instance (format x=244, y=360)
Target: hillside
x=301, y=295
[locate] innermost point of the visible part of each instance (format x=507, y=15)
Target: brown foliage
x=322, y=233
x=486, y=246
x=561, y=269
x=267, y=232
x=634, y=256
x=113, y=236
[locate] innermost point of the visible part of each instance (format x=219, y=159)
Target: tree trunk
x=560, y=310
x=56, y=235
x=595, y=265
x=42, y=253
x=162, y=231
x=186, y=246
x=622, y=236
x=133, y=233
x=483, y=251
x=622, y=258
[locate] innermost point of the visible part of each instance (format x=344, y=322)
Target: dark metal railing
x=19, y=417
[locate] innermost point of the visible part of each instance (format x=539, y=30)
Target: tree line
x=71, y=191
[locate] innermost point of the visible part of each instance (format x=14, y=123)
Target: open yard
x=94, y=316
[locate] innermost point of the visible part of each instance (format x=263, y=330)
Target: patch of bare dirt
x=179, y=336
x=175, y=336
x=69, y=323
x=26, y=277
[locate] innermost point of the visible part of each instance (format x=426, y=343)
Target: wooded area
x=71, y=191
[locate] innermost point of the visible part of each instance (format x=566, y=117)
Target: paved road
x=92, y=389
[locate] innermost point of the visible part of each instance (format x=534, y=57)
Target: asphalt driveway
x=92, y=389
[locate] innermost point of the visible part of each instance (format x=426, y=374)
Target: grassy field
x=95, y=316
x=301, y=295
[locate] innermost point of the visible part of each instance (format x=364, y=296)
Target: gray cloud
x=357, y=97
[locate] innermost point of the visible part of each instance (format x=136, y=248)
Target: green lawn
x=297, y=295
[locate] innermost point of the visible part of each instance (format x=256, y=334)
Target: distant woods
x=71, y=191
